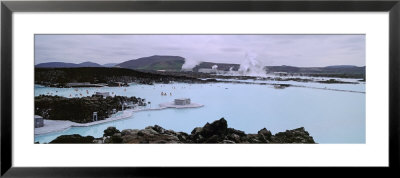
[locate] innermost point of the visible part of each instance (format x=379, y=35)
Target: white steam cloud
x=190, y=64
x=251, y=66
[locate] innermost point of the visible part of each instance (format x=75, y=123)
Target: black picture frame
x=8, y=7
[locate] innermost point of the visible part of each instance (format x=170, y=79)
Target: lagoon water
x=329, y=116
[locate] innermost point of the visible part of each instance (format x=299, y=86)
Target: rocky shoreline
x=80, y=110
x=215, y=132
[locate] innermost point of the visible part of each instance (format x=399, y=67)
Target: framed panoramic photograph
x=140, y=88
x=244, y=81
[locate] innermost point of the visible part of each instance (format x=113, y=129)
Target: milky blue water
x=329, y=116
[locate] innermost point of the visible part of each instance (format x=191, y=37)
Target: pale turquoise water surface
x=329, y=116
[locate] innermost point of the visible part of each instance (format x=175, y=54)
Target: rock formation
x=81, y=110
x=216, y=132
x=76, y=138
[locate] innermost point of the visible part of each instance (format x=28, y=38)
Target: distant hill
x=338, y=70
x=66, y=65
x=221, y=66
x=283, y=68
x=345, y=69
x=334, y=71
x=89, y=64
x=172, y=63
x=340, y=66
x=327, y=69
x=56, y=65
x=110, y=64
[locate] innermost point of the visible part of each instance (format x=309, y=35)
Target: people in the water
x=165, y=94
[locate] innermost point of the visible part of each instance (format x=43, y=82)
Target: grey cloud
x=231, y=49
x=169, y=48
x=297, y=50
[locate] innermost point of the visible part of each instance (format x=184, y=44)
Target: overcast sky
x=294, y=50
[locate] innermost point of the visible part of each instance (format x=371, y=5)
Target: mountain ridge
x=66, y=65
x=155, y=62
x=175, y=63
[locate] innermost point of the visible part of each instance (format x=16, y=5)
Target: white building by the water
x=39, y=122
x=182, y=101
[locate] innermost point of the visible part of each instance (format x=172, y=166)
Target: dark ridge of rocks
x=60, y=77
x=110, y=131
x=216, y=132
x=299, y=135
x=76, y=138
x=330, y=81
